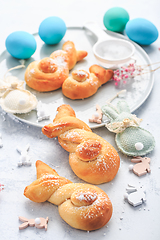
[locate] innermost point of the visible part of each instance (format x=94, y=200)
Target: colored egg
x=141, y=31
x=21, y=45
x=52, y=30
x=115, y=19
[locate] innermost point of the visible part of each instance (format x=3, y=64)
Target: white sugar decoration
x=22, y=101
x=1, y=143
x=42, y=113
x=139, y=146
x=135, y=196
x=130, y=167
x=37, y=221
x=24, y=158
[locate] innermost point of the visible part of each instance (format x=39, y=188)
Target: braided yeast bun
x=82, y=206
x=91, y=157
x=74, y=56
x=83, y=84
x=49, y=73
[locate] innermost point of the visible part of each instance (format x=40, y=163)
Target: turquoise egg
x=52, y=30
x=115, y=19
x=21, y=45
x=141, y=31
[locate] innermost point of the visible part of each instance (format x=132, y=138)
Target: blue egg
x=141, y=31
x=21, y=45
x=52, y=30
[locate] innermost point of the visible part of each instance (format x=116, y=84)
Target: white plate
x=138, y=89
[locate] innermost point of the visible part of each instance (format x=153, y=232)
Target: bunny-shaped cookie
x=135, y=195
x=38, y=223
x=142, y=166
x=130, y=138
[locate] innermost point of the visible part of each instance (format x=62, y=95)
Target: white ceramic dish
x=138, y=89
x=110, y=51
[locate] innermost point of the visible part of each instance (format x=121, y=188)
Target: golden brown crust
x=64, y=121
x=91, y=157
x=82, y=206
x=83, y=85
x=49, y=73
x=47, y=178
x=102, y=74
x=74, y=56
x=64, y=111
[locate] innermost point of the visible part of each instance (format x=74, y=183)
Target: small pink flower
x=1, y=187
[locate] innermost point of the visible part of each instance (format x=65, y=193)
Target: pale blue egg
x=52, y=30
x=142, y=31
x=21, y=45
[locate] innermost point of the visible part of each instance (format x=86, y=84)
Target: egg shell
x=21, y=45
x=52, y=30
x=142, y=31
x=115, y=19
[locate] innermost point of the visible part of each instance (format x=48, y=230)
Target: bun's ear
x=136, y=160
x=122, y=106
x=23, y=225
x=110, y=111
x=23, y=219
x=131, y=189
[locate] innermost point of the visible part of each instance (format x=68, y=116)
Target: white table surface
x=141, y=222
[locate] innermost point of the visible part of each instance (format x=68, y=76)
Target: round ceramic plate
x=138, y=89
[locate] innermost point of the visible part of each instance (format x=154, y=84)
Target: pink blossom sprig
x=130, y=71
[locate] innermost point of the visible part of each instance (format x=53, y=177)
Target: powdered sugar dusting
x=87, y=196
x=81, y=73
x=60, y=61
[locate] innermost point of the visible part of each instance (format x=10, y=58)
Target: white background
x=138, y=223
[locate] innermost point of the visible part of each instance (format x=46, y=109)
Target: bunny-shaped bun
x=130, y=138
x=83, y=84
x=49, y=73
x=91, y=157
x=38, y=223
x=82, y=206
